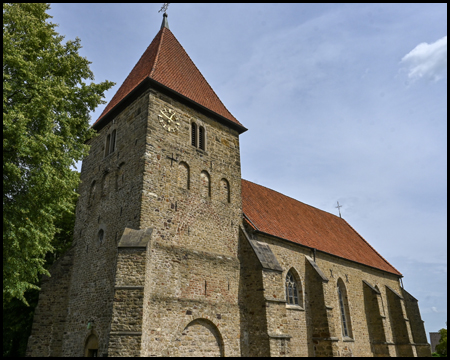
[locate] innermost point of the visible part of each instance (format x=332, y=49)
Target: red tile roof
x=279, y=215
x=166, y=62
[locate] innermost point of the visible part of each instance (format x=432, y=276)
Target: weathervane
x=339, y=208
x=164, y=7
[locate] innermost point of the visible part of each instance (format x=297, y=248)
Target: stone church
x=174, y=254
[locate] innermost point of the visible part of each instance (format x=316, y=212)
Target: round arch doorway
x=91, y=346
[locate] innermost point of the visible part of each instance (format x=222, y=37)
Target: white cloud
x=427, y=60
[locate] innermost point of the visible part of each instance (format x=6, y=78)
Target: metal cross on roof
x=164, y=7
x=339, y=208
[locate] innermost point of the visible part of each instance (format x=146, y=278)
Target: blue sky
x=343, y=102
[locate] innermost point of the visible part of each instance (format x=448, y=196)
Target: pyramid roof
x=272, y=213
x=167, y=63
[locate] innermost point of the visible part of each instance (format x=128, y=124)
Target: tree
x=46, y=105
x=441, y=348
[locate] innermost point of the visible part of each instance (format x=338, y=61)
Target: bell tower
x=153, y=269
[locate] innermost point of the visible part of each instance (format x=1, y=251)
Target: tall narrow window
x=291, y=289
x=194, y=134
x=101, y=235
x=108, y=138
x=120, y=176
x=201, y=138
x=113, y=141
x=92, y=193
x=344, y=310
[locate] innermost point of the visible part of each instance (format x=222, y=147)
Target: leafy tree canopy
x=441, y=348
x=46, y=104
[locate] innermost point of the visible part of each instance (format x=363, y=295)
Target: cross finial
x=165, y=23
x=339, y=208
x=164, y=8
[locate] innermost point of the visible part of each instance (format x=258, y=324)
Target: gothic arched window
x=344, y=309
x=292, y=289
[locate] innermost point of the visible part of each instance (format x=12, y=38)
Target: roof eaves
x=328, y=253
x=240, y=129
x=101, y=122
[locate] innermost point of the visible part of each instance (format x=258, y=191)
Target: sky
x=342, y=102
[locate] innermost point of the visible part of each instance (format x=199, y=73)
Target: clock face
x=169, y=120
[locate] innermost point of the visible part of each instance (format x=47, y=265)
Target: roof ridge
x=259, y=202
x=290, y=197
x=157, y=52
x=104, y=112
x=351, y=227
x=206, y=81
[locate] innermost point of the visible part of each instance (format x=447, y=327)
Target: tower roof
x=167, y=63
x=278, y=215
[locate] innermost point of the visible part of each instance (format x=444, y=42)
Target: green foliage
x=46, y=105
x=17, y=321
x=441, y=348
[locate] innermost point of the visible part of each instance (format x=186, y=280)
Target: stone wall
x=110, y=195
x=376, y=317
x=417, y=328
x=192, y=200
x=50, y=314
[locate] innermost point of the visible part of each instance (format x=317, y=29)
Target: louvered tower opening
x=201, y=138
x=194, y=135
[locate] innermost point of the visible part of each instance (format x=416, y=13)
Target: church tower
x=154, y=265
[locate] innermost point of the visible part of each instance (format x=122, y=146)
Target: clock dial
x=169, y=120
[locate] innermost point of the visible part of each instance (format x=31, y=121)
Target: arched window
x=113, y=141
x=205, y=184
x=292, y=289
x=120, y=176
x=105, y=184
x=110, y=145
x=108, y=141
x=201, y=138
x=344, y=310
x=194, y=134
x=224, y=190
x=92, y=194
x=183, y=175
x=101, y=235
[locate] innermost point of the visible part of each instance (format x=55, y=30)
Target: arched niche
x=224, y=190
x=183, y=175
x=120, y=176
x=205, y=184
x=201, y=338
